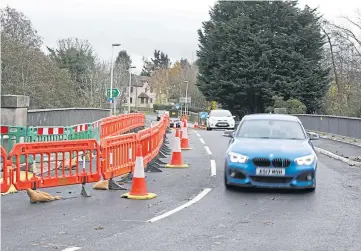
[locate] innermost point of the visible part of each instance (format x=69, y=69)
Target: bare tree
x=343, y=55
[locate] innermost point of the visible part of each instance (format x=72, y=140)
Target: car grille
x=261, y=162
x=281, y=162
x=266, y=179
x=265, y=162
x=221, y=124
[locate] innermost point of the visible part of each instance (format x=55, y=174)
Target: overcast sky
x=139, y=25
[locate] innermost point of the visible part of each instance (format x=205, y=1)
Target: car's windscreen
x=271, y=129
x=220, y=113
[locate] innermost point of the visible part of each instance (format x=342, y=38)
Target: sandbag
x=38, y=196
x=101, y=185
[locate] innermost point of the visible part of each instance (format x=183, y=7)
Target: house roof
x=138, y=81
x=143, y=95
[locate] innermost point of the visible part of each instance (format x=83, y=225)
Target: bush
x=170, y=107
x=292, y=105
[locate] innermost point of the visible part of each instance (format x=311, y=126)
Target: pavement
x=194, y=211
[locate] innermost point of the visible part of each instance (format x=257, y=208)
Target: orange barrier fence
x=58, y=173
x=116, y=125
x=6, y=177
x=61, y=163
x=118, y=154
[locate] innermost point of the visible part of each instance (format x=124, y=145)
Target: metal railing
x=344, y=126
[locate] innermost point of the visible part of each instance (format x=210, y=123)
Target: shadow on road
x=250, y=190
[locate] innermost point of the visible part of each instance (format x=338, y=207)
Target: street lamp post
x=111, y=81
x=130, y=86
x=186, y=101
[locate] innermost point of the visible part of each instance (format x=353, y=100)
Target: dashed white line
x=198, y=134
x=208, y=150
x=213, y=167
x=194, y=200
x=71, y=249
x=202, y=141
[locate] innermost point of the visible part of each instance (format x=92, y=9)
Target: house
x=142, y=94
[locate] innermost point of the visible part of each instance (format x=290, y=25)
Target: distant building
x=141, y=94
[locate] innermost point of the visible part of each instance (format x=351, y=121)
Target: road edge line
x=203, y=193
x=337, y=157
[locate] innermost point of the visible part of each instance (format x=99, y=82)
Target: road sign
x=115, y=92
x=177, y=106
x=185, y=100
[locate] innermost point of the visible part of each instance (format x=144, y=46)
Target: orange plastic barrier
x=52, y=174
x=120, y=124
x=7, y=177
x=144, y=137
x=118, y=154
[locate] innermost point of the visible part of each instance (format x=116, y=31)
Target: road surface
x=216, y=219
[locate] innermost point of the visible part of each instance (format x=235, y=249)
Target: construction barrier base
x=148, y=196
x=176, y=166
x=188, y=148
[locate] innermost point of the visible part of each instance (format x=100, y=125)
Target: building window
x=131, y=89
x=146, y=89
x=146, y=100
x=131, y=100
x=142, y=100
x=151, y=100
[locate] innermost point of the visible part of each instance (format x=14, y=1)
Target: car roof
x=260, y=116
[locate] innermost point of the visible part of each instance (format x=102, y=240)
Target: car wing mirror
x=229, y=133
x=313, y=136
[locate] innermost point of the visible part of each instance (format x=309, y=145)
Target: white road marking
x=202, y=141
x=198, y=134
x=208, y=150
x=213, y=167
x=194, y=200
x=71, y=249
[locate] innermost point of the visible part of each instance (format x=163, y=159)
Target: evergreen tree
x=159, y=61
x=251, y=51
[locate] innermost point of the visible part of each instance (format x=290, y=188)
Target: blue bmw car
x=271, y=151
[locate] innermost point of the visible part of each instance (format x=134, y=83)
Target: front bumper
x=244, y=175
x=221, y=124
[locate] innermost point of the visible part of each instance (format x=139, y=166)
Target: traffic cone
x=176, y=160
x=195, y=125
x=139, y=186
x=185, y=140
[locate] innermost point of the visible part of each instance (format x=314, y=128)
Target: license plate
x=222, y=124
x=270, y=171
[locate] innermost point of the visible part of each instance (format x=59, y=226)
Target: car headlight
x=305, y=160
x=237, y=158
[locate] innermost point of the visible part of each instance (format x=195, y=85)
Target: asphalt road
x=328, y=219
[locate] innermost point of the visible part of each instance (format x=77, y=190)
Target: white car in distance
x=220, y=119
